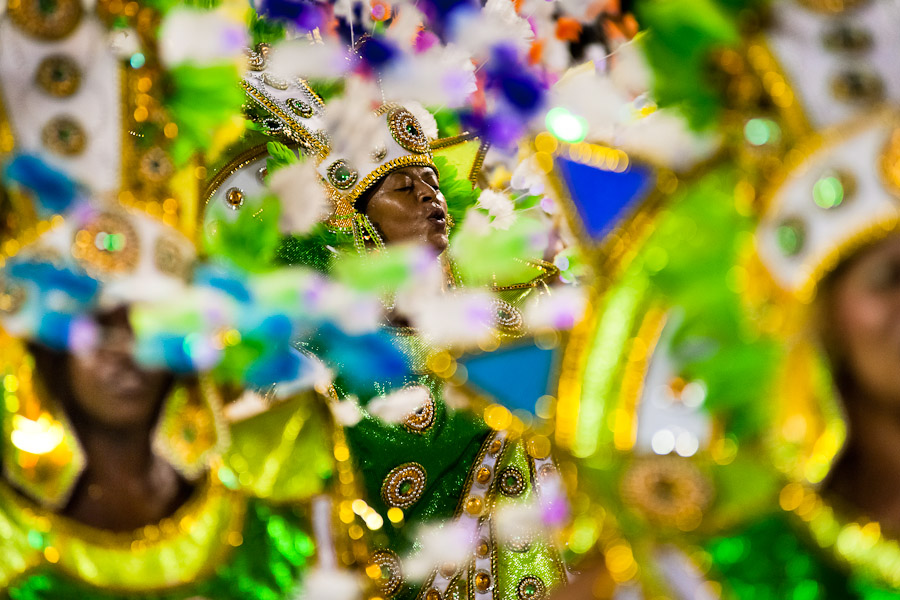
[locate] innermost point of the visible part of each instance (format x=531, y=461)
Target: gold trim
x=243, y=159
x=778, y=86
x=301, y=135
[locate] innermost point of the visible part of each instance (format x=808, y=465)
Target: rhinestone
x=433, y=594
x=790, y=236
x=474, y=505
x=300, y=108
x=495, y=447
x=482, y=582
x=448, y=570
x=547, y=471
x=483, y=476
x=234, y=198
x=46, y=19
x=341, y=175
x=483, y=548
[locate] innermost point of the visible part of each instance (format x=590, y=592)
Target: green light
x=828, y=192
x=137, y=60
x=566, y=126
x=760, y=132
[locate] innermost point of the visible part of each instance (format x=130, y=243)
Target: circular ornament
x=273, y=125
x=379, y=154
x=63, y=135
x=531, y=588
x=169, y=257
x=511, y=481
x=12, y=297
x=391, y=575
x=433, y=594
x=234, y=198
x=790, y=235
x=422, y=418
x=300, y=108
x=495, y=447
x=46, y=19
x=109, y=244
x=847, y=37
x=341, y=175
x=667, y=489
x=483, y=475
x=858, y=87
x=482, y=582
x=58, y=75
x=404, y=485
x=483, y=548
x=407, y=131
x=261, y=174
x=509, y=318
x=155, y=165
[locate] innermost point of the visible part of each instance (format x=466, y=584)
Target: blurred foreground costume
x=101, y=143
x=436, y=465
x=701, y=395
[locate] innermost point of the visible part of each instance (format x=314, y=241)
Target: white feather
x=559, y=310
x=425, y=118
x=439, y=544
x=330, y=584
x=303, y=201
x=397, y=406
x=201, y=37
x=346, y=412
x=499, y=207
x=306, y=59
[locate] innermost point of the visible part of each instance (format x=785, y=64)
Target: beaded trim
x=410, y=473
x=531, y=588
x=511, y=482
x=473, y=502
x=352, y=175
x=316, y=142
x=407, y=131
x=422, y=419
x=372, y=178
x=391, y=571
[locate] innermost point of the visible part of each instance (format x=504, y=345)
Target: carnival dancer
x=120, y=480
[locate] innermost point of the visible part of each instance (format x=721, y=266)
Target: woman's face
x=108, y=388
x=407, y=206
x=863, y=321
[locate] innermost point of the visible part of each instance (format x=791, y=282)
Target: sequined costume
x=699, y=396
x=90, y=118
x=439, y=463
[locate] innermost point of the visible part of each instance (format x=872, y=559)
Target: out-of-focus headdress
x=102, y=147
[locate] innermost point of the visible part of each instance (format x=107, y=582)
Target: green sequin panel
x=269, y=565
x=773, y=560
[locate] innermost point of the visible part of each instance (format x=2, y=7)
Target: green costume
x=439, y=463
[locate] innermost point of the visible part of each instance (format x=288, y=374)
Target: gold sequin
x=495, y=447
x=404, y=485
x=483, y=476
x=474, y=505
x=482, y=581
x=483, y=548
x=58, y=75
x=234, y=198
x=64, y=135
x=46, y=19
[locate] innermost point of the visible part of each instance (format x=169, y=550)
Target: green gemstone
x=47, y=7
x=530, y=589
x=511, y=481
x=790, y=236
x=342, y=173
x=412, y=130
x=406, y=487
